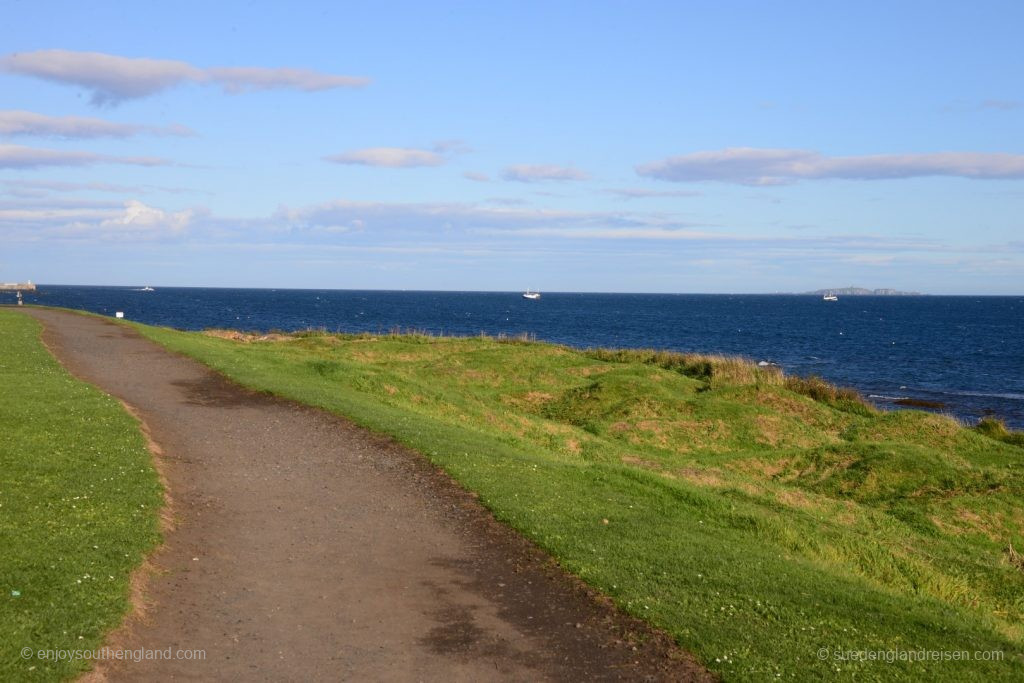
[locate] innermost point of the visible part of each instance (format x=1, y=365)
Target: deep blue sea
x=966, y=352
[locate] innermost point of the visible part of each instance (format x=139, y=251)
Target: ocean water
x=966, y=352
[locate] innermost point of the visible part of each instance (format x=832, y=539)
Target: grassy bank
x=78, y=508
x=765, y=521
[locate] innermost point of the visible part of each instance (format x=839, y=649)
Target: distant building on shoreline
x=17, y=286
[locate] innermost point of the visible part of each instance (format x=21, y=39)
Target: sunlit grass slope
x=79, y=500
x=757, y=518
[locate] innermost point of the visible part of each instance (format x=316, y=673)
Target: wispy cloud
x=384, y=220
x=58, y=203
x=19, y=122
x=506, y=201
x=241, y=79
x=1002, y=105
x=534, y=173
x=453, y=146
x=16, y=156
x=870, y=259
x=430, y=217
x=752, y=166
x=476, y=176
x=672, y=234
x=638, y=193
x=659, y=243
x=113, y=79
x=401, y=157
x=960, y=106
x=388, y=157
x=40, y=188
x=501, y=228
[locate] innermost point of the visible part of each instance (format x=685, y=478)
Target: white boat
x=147, y=288
x=830, y=297
x=531, y=295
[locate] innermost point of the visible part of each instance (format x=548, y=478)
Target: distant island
x=861, y=291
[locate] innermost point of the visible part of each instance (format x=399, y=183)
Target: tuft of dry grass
x=715, y=369
x=311, y=332
x=521, y=338
x=994, y=428
x=822, y=391
x=246, y=338
x=721, y=370
x=1015, y=558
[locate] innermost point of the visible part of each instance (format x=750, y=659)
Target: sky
x=560, y=146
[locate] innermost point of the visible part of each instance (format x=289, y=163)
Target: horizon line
x=515, y=291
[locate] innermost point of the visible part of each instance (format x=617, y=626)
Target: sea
x=965, y=353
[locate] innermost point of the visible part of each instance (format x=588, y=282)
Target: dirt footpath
x=305, y=548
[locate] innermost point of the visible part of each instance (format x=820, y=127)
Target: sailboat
x=531, y=295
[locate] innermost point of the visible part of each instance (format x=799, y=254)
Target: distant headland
x=861, y=291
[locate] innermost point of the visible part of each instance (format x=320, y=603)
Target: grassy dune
x=78, y=508
x=764, y=521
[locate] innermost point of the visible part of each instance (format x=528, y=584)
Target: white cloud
x=17, y=156
x=17, y=122
x=532, y=173
x=388, y=157
x=137, y=216
x=752, y=166
x=476, y=176
x=113, y=79
x=131, y=220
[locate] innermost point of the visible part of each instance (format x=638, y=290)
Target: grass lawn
x=765, y=529
x=79, y=504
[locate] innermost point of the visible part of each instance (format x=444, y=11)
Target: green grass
x=79, y=503
x=756, y=518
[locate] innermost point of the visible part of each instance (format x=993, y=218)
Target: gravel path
x=305, y=548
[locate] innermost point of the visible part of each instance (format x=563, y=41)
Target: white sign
x=119, y=314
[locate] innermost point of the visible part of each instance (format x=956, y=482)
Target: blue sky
x=646, y=147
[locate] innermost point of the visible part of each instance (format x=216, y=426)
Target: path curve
x=305, y=548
